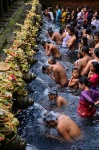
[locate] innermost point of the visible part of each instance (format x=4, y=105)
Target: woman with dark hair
x=79, y=15
x=68, y=15
x=84, y=42
x=94, y=74
x=86, y=107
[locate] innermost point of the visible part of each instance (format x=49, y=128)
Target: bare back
x=57, y=37
x=71, y=42
x=54, y=50
x=68, y=127
x=83, y=62
x=60, y=74
x=61, y=101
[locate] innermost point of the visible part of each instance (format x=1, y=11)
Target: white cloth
x=65, y=39
x=95, y=23
x=51, y=15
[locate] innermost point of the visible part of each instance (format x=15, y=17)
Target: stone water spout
x=28, y=76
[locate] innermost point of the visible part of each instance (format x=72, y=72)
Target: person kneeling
x=53, y=95
x=66, y=127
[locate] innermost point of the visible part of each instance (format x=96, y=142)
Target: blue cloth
x=58, y=15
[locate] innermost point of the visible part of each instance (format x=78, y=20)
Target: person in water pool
x=57, y=73
x=53, y=95
x=88, y=98
x=74, y=79
x=65, y=126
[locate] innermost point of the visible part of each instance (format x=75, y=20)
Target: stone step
x=3, y=24
x=10, y=13
x=4, y=19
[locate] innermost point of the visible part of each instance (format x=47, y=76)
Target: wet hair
x=96, y=51
x=84, y=80
x=50, y=28
x=85, y=49
x=43, y=43
x=54, y=92
x=44, y=67
x=95, y=64
x=50, y=32
x=50, y=116
x=53, y=60
x=85, y=40
x=74, y=69
x=61, y=30
x=71, y=29
x=88, y=30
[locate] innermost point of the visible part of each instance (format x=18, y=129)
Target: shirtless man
x=53, y=95
x=66, y=127
x=96, y=42
x=96, y=58
x=52, y=61
x=81, y=64
x=72, y=41
x=51, y=49
x=55, y=36
x=57, y=73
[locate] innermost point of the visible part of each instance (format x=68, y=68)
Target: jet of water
x=39, y=79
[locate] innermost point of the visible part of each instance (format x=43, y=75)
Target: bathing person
x=65, y=36
x=51, y=49
x=84, y=42
x=58, y=15
x=74, y=79
x=57, y=73
x=96, y=42
x=72, y=41
x=89, y=36
x=96, y=58
x=66, y=127
x=53, y=95
x=81, y=64
x=55, y=36
x=53, y=61
x=50, y=14
x=93, y=75
x=86, y=107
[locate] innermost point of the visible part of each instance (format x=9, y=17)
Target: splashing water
x=43, y=82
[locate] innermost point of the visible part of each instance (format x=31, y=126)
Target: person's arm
x=65, y=134
x=53, y=37
x=56, y=76
x=86, y=69
x=70, y=43
x=72, y=83
x=86, y=97
x=63, y=36
x=48, y=50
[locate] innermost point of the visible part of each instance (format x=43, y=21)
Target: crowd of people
x=78, y=28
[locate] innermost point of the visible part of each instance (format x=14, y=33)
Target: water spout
x=43, y=82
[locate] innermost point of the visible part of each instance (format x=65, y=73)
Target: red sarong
x=86, y=110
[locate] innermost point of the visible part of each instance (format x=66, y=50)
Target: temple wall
x=72, y=3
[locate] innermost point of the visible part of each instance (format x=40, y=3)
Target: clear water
x=32, y=127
